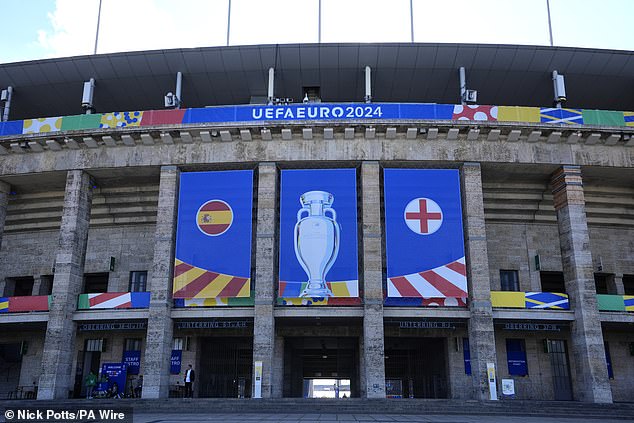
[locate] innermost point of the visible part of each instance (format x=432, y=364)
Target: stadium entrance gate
x=318, y=363
x=225, y=367
x=416, y=368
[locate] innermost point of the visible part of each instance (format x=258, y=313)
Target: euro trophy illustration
x=316, y=240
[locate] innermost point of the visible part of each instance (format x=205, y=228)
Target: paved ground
x=328, y=418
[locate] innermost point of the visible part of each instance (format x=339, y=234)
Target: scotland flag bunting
x=424, y=237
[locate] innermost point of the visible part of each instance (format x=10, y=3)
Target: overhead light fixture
x=173, y=101
x=559, y=87
x=87, y=97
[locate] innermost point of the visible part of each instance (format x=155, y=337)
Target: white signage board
x=493, y=392
x=257, y=387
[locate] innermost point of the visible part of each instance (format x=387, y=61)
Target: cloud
x=133, y=25
x=74, y=26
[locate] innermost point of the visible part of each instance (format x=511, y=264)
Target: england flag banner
x=424, y=238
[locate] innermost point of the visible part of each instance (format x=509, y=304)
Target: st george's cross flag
x=214, y=235
x=424, y=235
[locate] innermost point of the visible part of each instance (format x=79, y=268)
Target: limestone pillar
x=158, y=346
x=587, y=339
x=373, y=344
x=4, y=201
x=481, y=331
x=618, y=284
x=59, y=344
x=277, y=390
x=37, y=285
x=263, y=322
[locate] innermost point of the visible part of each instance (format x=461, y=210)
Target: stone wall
x=33, y=253
x=31, y=365
x=538, y=384
x=622, y=364
x=615, y=248
x=131, y=246
x=28, y=254
x=513, y=246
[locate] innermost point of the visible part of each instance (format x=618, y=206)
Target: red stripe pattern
x=197, y=285
x=447, y=281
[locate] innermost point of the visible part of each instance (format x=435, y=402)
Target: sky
x=40, y=29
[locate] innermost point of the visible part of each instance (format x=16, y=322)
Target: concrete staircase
x=623, y=411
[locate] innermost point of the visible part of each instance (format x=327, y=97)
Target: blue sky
x=37, y=29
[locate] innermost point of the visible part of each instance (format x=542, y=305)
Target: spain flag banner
x=214, y=235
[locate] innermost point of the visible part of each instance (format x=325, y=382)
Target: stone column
x=158, y=345
x=277, y=390
x=481, y=331
x=587, y=339
x=263, y=320
x=37, y=285
x=618, y=284
x=4, y=201
x=59, y=344
x=373, y=343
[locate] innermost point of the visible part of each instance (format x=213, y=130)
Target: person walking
x=190, y=377
x=90, y=382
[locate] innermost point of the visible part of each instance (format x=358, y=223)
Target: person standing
x=138, y=387
x=190, y=377
x=91, y=381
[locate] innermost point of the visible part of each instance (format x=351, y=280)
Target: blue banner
x=133, y=360
x=516, y=357
x=424, y=236
x=175, y=362
x=213, y=238
x=116, y=373
x=466, y=354
x=318, y=234
x=319, y=112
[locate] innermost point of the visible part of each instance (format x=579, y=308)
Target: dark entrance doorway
x=10, y=367
x=416, y=367
x=309, y=362
x=88, y=360
x=560, y=368
x=225, y=367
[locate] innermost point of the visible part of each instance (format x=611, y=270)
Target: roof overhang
x=401, y=72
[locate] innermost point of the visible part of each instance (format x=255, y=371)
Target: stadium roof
x=401, y=72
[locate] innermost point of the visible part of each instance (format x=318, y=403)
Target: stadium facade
x=378, y=236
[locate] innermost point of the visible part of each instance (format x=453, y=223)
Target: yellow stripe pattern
x=213, y=289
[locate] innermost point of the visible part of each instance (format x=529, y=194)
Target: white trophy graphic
x=316, y=240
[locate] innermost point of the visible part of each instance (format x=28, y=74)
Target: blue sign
x=175, y=362
x=466, y=354
x=133, y=360
x=424, y=235
x=516, y=357
x=320, y=112
x=318, y=233
x=116, y=373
